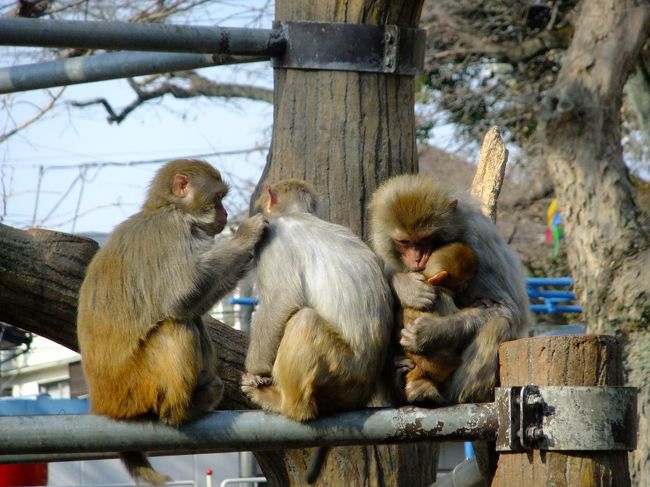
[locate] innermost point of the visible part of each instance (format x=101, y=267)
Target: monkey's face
x=413, y=252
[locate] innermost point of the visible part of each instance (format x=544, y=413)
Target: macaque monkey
x=450, y=268
x=146, y=352
x=321, y=331
x=411, y=217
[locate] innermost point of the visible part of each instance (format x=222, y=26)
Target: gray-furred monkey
x=412, y=216
x=145, y=348
x=320, y=334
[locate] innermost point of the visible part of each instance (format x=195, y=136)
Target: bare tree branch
x=35, y=118
x=198, y=86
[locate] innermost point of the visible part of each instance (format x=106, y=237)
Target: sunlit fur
x=450, y=268
x=417, y=205
x=293, y=195
x=323, y=324
x=144, y=346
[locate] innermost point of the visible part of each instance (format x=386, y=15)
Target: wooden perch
x=490, y=171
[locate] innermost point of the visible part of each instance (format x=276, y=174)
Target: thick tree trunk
x=608, y=250
x=345, y=132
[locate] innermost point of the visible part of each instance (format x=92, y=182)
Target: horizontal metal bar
x=553, y=308
x=100, y=67
x=242, y=431
x=140, y=37
x=549, y=281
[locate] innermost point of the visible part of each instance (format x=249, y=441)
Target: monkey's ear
x=180, y=185
x=273, y=198
x=453, y=204
x=437, y=278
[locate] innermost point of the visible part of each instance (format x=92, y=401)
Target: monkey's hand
x=251, y=230
x=419, y=336
x=413, y=291
x=249, y=382
x=403, y=364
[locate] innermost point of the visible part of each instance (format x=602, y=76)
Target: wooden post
x=572, y=360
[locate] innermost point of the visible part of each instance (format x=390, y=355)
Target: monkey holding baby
x=413, y=218
x=146, y=351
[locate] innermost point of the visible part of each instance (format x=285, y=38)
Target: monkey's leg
x=419, y=385
x=170, y=357
x=475, y=379
x=315, y=369
x=209, y=386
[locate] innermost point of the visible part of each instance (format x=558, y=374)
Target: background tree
x=568, y=82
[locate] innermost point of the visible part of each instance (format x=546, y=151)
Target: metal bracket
x=351, y=47
x=566, y=418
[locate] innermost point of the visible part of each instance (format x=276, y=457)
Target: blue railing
x=551, y=300
x=542, y=300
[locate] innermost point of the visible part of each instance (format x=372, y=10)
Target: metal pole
x=99, y=67
x=24, y=436
x=140, y=37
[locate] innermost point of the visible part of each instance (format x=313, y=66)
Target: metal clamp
x=351, y=47
x=558, y=418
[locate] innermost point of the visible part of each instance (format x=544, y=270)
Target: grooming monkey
x=321, y=331
x=411, y=217
x=450, y=269
x=145, y=349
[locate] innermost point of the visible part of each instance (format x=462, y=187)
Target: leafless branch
x=35, y=118
x=198, y=86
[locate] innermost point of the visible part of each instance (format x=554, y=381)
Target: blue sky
x=68, y=137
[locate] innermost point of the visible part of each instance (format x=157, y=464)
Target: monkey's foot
x=423, y=390
x=250, y=382
x=403, y=365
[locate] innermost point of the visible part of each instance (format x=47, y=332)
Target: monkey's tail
x=475, y=379
x=316, y=463
x=141, y=470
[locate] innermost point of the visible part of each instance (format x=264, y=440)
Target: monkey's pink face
x=221, y=215
x=414, y=252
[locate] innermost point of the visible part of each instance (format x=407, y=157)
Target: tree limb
x=198, y=86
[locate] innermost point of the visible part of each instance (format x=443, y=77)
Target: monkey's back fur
x=329, y=289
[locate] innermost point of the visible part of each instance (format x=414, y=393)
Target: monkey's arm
x=428, y=333
x=412, y=290
x=266, y=332
x=219, y=269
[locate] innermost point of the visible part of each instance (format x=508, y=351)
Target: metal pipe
x=140, y=37
x=241, y=430
x=100, y=67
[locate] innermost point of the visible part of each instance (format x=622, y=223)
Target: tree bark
x=591, y=360
x=40, y=275
x=345, y=132
x=608, y=250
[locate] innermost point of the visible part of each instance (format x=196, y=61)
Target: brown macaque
x=411, y=217
x=146, y=351
x=450, y=269
x=320, y=334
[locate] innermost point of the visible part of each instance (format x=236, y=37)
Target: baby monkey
x=449, y=269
